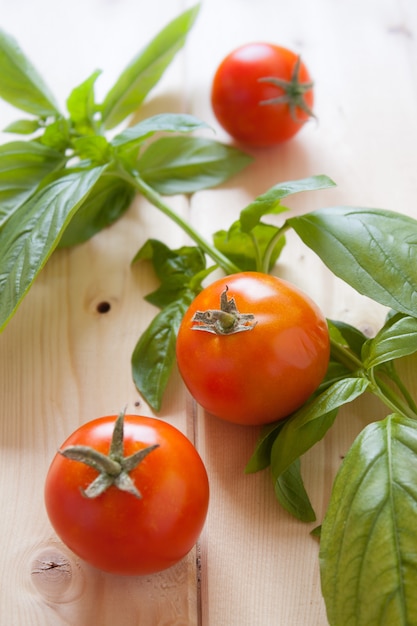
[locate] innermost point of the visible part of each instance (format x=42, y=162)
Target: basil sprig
x=249, y=244
x=367, y=545
x=367, y=532
x=67, y=178
x=181, y=273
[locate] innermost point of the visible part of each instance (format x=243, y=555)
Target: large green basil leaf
x=20, y=84
x=110, y=197
x=373, y=250
x=368, y=556
x=31, y=234
x=175, y=165
x=145, y=70
x=23, y=165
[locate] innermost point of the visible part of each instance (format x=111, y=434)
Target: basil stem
x=154, y=198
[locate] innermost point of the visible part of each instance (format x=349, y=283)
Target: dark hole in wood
x=103, y=307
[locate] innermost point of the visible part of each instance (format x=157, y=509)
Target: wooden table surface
x=63, y=363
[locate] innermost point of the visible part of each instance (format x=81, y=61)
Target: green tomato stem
x=224, y=321
x=113, y=469
x=294, y=92
x=154, y=198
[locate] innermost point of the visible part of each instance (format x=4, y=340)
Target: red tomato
x=262, y=94
x=118, y=531
x=270, y=368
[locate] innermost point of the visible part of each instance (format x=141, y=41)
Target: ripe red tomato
x=266, y=369
x=262, y=94
x=143, y=521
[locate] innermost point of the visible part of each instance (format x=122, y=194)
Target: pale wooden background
x=62, y=363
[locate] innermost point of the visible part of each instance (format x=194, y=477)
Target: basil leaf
x=239, y=246
x=335, y=372
x=23, y=127
x=23, y=165
x=81, y=105
x=261, y=457
x=298, y=434
x=368, y=558
x=176, y=269
x=21, y=85
x=316, y=532
x=373, y=250
x=254, y=245
x=31, y=234
x=57, y=135
x=154, y=355
x=163, y=122
x=175, y=165
x=291, y=493
x=94, y=148
x=181, y=272
x=145, y=70
x=347, y=335
x=107, y=201
x=397, y=338
x=269, y=202
x=310, y=423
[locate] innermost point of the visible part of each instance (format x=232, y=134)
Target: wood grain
x=62, y=362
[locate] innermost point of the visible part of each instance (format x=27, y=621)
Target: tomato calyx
x=114, y=468
x=224, y=321
x=294, y=92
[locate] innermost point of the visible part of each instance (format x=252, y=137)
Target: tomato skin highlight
x=237, y=92
x=117, y=532
x=264, y=374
